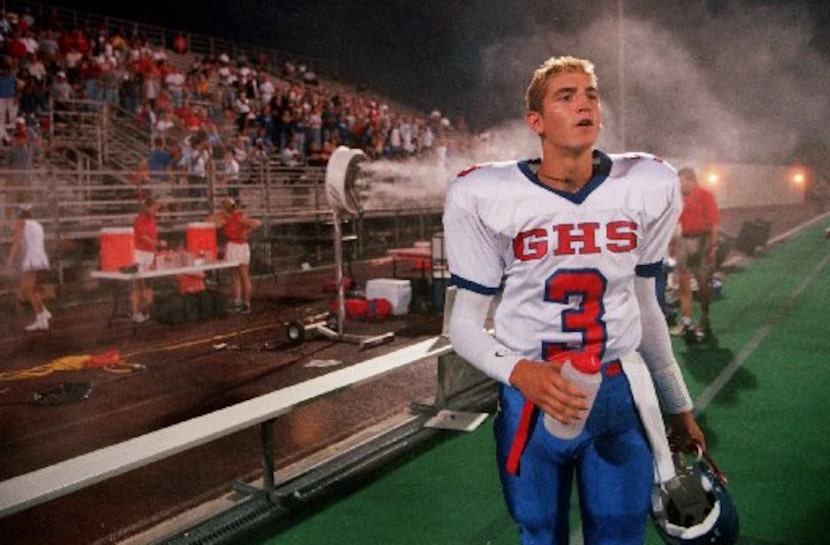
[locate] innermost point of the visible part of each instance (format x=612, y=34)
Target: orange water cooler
x=117, y=248
x=201, y=237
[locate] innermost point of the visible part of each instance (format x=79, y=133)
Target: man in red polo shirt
x=695, y=251
x=147, y=241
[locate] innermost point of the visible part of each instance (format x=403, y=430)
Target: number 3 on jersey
x=582, y=292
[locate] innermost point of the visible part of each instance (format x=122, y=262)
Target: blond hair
x=24, y=211
x=551, y=68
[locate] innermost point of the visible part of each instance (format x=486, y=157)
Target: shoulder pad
x=624, y=162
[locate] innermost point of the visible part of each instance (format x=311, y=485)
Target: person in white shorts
x=28, y=245
x=147, y=241
x=237, y=227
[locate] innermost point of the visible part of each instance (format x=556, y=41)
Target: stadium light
x=797, y=174
x=712, y=177
x=798, y=177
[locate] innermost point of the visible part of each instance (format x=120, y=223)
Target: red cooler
x=117, y=248
x=201, y=237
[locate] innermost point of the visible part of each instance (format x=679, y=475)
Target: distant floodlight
x=713, y=178
x=799, y=178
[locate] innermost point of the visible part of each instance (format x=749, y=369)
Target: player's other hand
x=685, y=434
x=543, y=385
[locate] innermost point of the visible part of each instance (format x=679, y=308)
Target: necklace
x=555, y=179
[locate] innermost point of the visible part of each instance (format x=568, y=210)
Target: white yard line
x=749, y=348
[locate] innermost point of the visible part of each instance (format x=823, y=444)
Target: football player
x=570, y=243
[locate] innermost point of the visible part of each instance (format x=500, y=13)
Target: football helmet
x=693, y=508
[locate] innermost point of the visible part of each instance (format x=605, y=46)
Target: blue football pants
x=611, y=461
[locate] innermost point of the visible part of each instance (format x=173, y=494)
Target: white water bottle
x=583, y=370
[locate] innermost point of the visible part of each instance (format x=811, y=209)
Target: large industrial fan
x=346, y=188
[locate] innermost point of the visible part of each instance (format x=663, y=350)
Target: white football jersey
x=564, y=262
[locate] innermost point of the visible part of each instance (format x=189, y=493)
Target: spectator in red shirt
x=146, y=243
x=237, y=227
x=80, y=40
x=90, y=71
x=180, y=44
x=695, y=249
x=17, y=48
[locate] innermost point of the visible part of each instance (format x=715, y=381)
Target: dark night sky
x=743, y=79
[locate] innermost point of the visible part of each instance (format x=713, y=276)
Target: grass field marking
x=746, y=352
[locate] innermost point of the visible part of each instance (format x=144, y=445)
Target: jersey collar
x=602, y=167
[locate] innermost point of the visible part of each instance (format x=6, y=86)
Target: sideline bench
x=39, y=486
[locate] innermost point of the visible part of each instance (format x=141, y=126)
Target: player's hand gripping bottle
x=583, y=370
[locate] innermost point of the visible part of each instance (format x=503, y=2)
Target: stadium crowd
x=259, y=108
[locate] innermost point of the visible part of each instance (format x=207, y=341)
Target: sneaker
x=46, y=314
x=235, y=306
x=692, y=336
x=678, y=330
x=40, y=324
x=701, y=333
x=138, y=318
x=244, y=308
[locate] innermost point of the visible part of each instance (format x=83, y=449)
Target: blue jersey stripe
x=460, y=282
x=650, y=270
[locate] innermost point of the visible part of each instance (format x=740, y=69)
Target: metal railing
x=75, y=204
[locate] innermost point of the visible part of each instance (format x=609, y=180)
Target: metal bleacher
x=80, y=181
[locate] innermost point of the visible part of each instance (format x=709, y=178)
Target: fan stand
x=338, y=334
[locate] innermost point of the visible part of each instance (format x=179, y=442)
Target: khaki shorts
x=690, y=253
x=144, y=260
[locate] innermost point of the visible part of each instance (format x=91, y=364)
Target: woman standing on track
x=237, y=227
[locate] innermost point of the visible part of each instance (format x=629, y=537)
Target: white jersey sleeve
x=473, y=343
x=472, y=247
x=661, y=205
x=656, y=351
